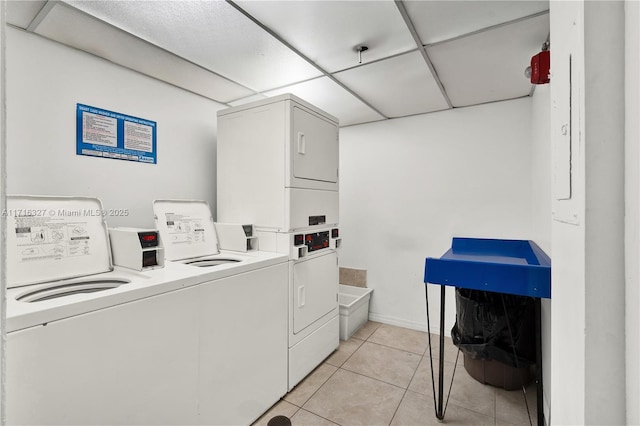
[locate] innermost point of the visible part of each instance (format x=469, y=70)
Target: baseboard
x=385, y=319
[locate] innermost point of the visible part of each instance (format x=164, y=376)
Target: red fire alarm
x=540, y=65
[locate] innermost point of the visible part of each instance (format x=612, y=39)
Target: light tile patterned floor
x=382, y=376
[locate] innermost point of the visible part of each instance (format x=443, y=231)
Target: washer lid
x=53, y=238
x=186, y=228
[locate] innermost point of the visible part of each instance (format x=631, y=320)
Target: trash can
x=496, y=334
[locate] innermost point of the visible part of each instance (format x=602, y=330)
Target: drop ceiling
x=422, y=56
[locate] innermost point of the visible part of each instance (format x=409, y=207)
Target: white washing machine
x=243, y=338
x=174, y=345
x=80, y=346
x=189, y=237
x=277, y=168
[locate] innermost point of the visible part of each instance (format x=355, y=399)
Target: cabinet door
x=314, y=147
x=315, y=289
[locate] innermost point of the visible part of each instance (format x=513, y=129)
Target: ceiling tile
x=489, y=66
x=441, y=20
x=74, y=28
x=246, y=100
x=212, y=34
x=397, y=86
x=21, y=13
x=328, y=31
x=327, y=95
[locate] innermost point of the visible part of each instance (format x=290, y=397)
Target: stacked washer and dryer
x=277, y=168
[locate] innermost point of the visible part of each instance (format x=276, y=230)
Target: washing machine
x=277, y=168
x=83, y=338
x=242, y=309
x=89, y=343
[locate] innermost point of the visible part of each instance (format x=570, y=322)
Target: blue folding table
x=516, y=267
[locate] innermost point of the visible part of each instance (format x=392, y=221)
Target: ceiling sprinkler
x=361, y=48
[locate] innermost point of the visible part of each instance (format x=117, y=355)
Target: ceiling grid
x=422, y=56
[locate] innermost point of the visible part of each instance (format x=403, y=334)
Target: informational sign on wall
x=108, y=134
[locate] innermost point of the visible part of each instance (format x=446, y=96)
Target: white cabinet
x=269, y=154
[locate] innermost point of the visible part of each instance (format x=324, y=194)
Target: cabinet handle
x=301, y=296
x=302, y=143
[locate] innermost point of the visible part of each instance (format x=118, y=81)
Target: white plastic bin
x=354, y=309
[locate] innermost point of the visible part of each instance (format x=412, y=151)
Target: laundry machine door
x=315, y=289
x=315, y=148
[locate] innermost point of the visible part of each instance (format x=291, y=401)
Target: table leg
x=539, y=393
x=440, y=408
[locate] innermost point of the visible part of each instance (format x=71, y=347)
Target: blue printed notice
x=108, y=134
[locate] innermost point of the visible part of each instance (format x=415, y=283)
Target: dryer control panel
x=316, y=241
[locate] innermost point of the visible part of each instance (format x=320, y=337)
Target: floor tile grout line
x=351, y=354
x=301, y=407
x=319, y=387
x=399, y=349
x=406, y=390
x=382, y=381
x=322, y=417
x=411, y=353
x=393, y=347
x=338, y=367
x=395, y=413
x=373, y=378
x=428, y=394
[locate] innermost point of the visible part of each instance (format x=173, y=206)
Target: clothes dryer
x=277, y=167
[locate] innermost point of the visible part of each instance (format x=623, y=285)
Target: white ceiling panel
x=441, y=20
x=328, y=31
x=330, y=97
x=252, y=98
x=238, y=51
x=489, y=66
x=212, y=34
x=20, y=12
x=397, y=87
x=74, y=28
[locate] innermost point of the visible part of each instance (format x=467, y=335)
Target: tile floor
x=381, y=376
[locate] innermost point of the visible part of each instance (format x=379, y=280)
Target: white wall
x=3, y=273
x=541, y=213
x=409, y=185
x=541, y=167
x=48, y=79
x=632, y=210
x=604, y=147
x=588, y=359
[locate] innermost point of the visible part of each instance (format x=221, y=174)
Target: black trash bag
x=481, y=330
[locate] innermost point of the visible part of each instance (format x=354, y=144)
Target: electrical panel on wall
x=562, y=142
x=567, y=85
